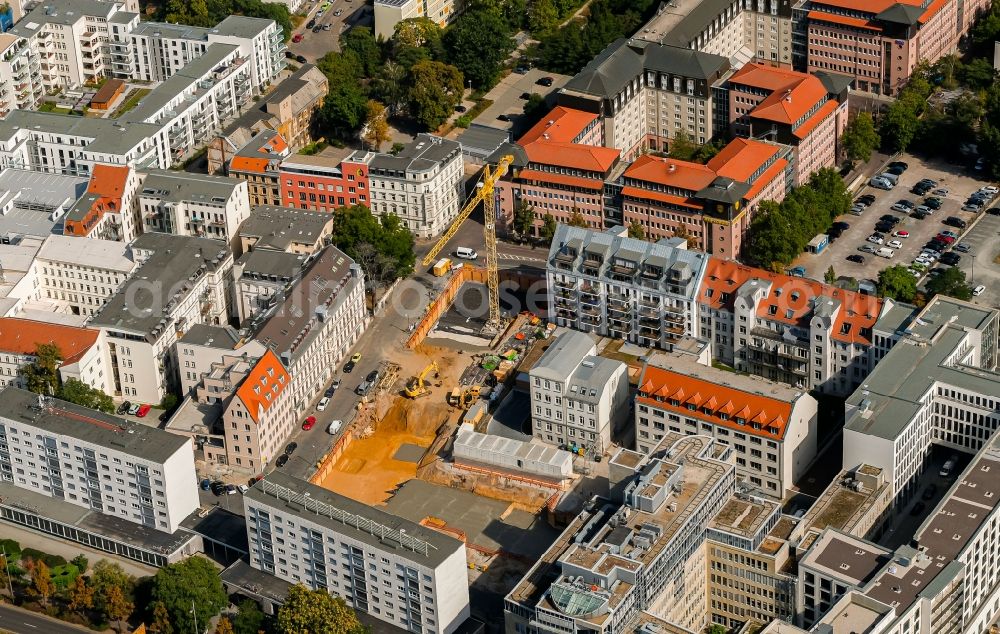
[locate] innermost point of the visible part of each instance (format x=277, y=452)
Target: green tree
x=636, y=230
x=773, y=242
x=355, y=225
x=76, y=391
x=106, y=575
x=478, y=43
x=118, y=606
x=161, y=620
x=534, y=108
x=715, y=628
x=896, y=282
x=190, y=584
x=42, y=585
x=682, y=147
x=421, y=33
x=344, y=106
x=42, y=375
x=81, y=562
x=434, y=90
x=248, y=619
x=978, y=74
x=830, y=276
x=576, y=219
x=524, y=217
x=81, y=595
x=548, y=228
x=309, y=611
x=950, y=283
x=389, y=87
x=543, y=17
x=359, y=46
x=860, y=138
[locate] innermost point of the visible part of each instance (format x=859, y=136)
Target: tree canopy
x=895, y=282
x=860, y=138
x=356, y=225
x=190, y=584
x=76, y=391
x=435, y=90
x=950, y=283
x=208, y=13
x=345, y=105
x=570, y=47
x=308, y=611
x=478, y=44
x=41, y=376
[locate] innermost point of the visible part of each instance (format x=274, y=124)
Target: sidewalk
x=69, y=550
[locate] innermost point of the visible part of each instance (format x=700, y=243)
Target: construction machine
x=484, y=194
x=463, y=397
x=417, y=385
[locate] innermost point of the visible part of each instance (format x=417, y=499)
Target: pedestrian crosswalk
x=519, y=258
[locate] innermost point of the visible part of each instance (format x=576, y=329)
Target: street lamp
x=194, y=613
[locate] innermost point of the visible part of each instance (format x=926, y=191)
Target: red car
x=143, y=410
x=309, y=423
x=297, y=38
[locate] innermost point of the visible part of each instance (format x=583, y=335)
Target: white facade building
x=81, y=349
x=133, y=472
x=388, y=13
x=392, y=569
x=577, y=398
x=79, y=275
x=423, y=185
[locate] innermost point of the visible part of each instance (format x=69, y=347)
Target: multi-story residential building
x=81, y=356
x=624, y=288
x=713, y=204
x=204, y=347
x=792, y=108
x=78, y=275
x=136, y=473
x=788, y=329
x=259, y=418
x=397, y=571
x=771, y=427
x=285, y=229
x=108, y=210
x=261, y=276
x=640, y=553
x=937, y=385
x=577, y=398
x=181, y=281
x=311, y=331
x=20, y=75
x=423, y=184
x=559, y=169
x=257, y=163
x=879, y=43
x=646, y=93
x=194, y=205
x=389, y=13
x=323, y=182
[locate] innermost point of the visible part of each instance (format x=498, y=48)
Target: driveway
x=957, y=181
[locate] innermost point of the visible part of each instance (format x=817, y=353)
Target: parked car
x=843, y=226
x=323, y=402
x=876, y=238
x=133, y=409
x=545, y=81
x=317, y=28
x=901, y=234
x=941, y=191
x=367, y=385
x=290, y=449
x=797, y=271
x=297, y=38
x=953, y=221
x=857, y=259
x=301, y=59
x=949, y=233
x=899, y=164
x=309, y=423
x=993, y=211
x=866, y=248
x=884, y=227
x=460, y=108
x=894, y=244
x=919, y=215
x=503, y=117
x=123, y=408
x=903, y=205
x=923, y=209
x=311, y=23
x=244, y=488
x=889, y=218
x=992, y=190
x=522, y=69
x=349, y=366
x=334, y=427
x=328, y=26
x=979, y=290
x=143, y=410
x=281, y=461
x=951, y=259
x=880, y=183
x=206, y=484
x=218, y=487
x=932, y=203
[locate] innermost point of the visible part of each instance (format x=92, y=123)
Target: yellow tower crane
x=484, y=194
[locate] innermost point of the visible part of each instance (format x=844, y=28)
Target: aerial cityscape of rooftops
x=500, y=316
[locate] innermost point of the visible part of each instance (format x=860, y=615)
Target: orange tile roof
x=683, y=175
x=646, y=194
x=741, y=158
x=562, y=125
x=21, y=336
x=561, y=179
x=794, y=305
x=932, y=9
x=865, y=6
x=810, y=124
x=107, y=183
x=766, y=177
x=844, y=20
x=761, y=415
x=589, y=158
x=791, y=102
x=249, y=164
x=262, y=386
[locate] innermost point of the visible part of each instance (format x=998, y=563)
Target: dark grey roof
x=440, y=547
x=835, y=83
x=88, y=425
x=520, y=156
x=181, y=81
x=103, y=135
x=241, y=26
x=216, y=336
x=277, y=228
x=171, y=186
x=725, y=190
x=423, y=153
x=278, y=264
x=905, y=14
x=482, y=140
x=697, y=20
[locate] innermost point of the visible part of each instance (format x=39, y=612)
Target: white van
x=880, y=183
x=947, y=468
x=335, y=427
x=466, y=253
x=885, y=252
x=892, y=178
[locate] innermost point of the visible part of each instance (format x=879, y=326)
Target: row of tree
x=780, y=231
x=572, y=46
x=896, y=282
x=208, y=13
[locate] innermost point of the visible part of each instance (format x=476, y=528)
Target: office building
x=578, y=399
x=194, y=205
x=326, y=181
x=394, y=570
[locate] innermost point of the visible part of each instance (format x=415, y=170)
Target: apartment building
x=620, y=287
x=423, y=184
x=20, y=75
x=937, y=385
x=261, y=277
x=560, y=168
x=81, y=357
x=107, y=211
x=711, y=204
x=77, y=275
x=880, y=43
x=577, y=398
x=788, y=329
x=771, y=427
x=181, y=281
x=257, y=163
x=394, y=570
x=326, y=181
x=197, y=205
x=796, y=109
x=646, y=93
x=389, y=13
x=204, y=347
x=285, y=229
x=136, y=473
x=635, y=556
x=318, y=321
x=259, y=419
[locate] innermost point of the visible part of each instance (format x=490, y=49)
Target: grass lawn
x=131, y=102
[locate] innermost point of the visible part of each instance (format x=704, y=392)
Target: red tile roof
x=931, y=10
x=589, y=158
x=561, y=179
x=249, y=164
x=843, y=20
x=794, y=304
x=22, y=336
x=107, y=183
x=261, y=388
x=674, y=392
x=790, y=102
x=741, y=158
x=562, y=125
x=647, y=194
x=817, y=118
x=866, y=6
x=670, y=172
x=766, y=177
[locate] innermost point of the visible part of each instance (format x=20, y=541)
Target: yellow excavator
x=417, y=385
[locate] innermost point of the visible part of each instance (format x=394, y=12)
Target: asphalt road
x=24, y=622
x=315, y=45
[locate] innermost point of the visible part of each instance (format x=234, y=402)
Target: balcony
x=620, y=324
x=589, y=289
x=592, y=320
x=565, y=283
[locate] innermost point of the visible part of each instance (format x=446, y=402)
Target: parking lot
x=506, y=96
x=979, y=263
x=338, y=16
x=960, y=185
